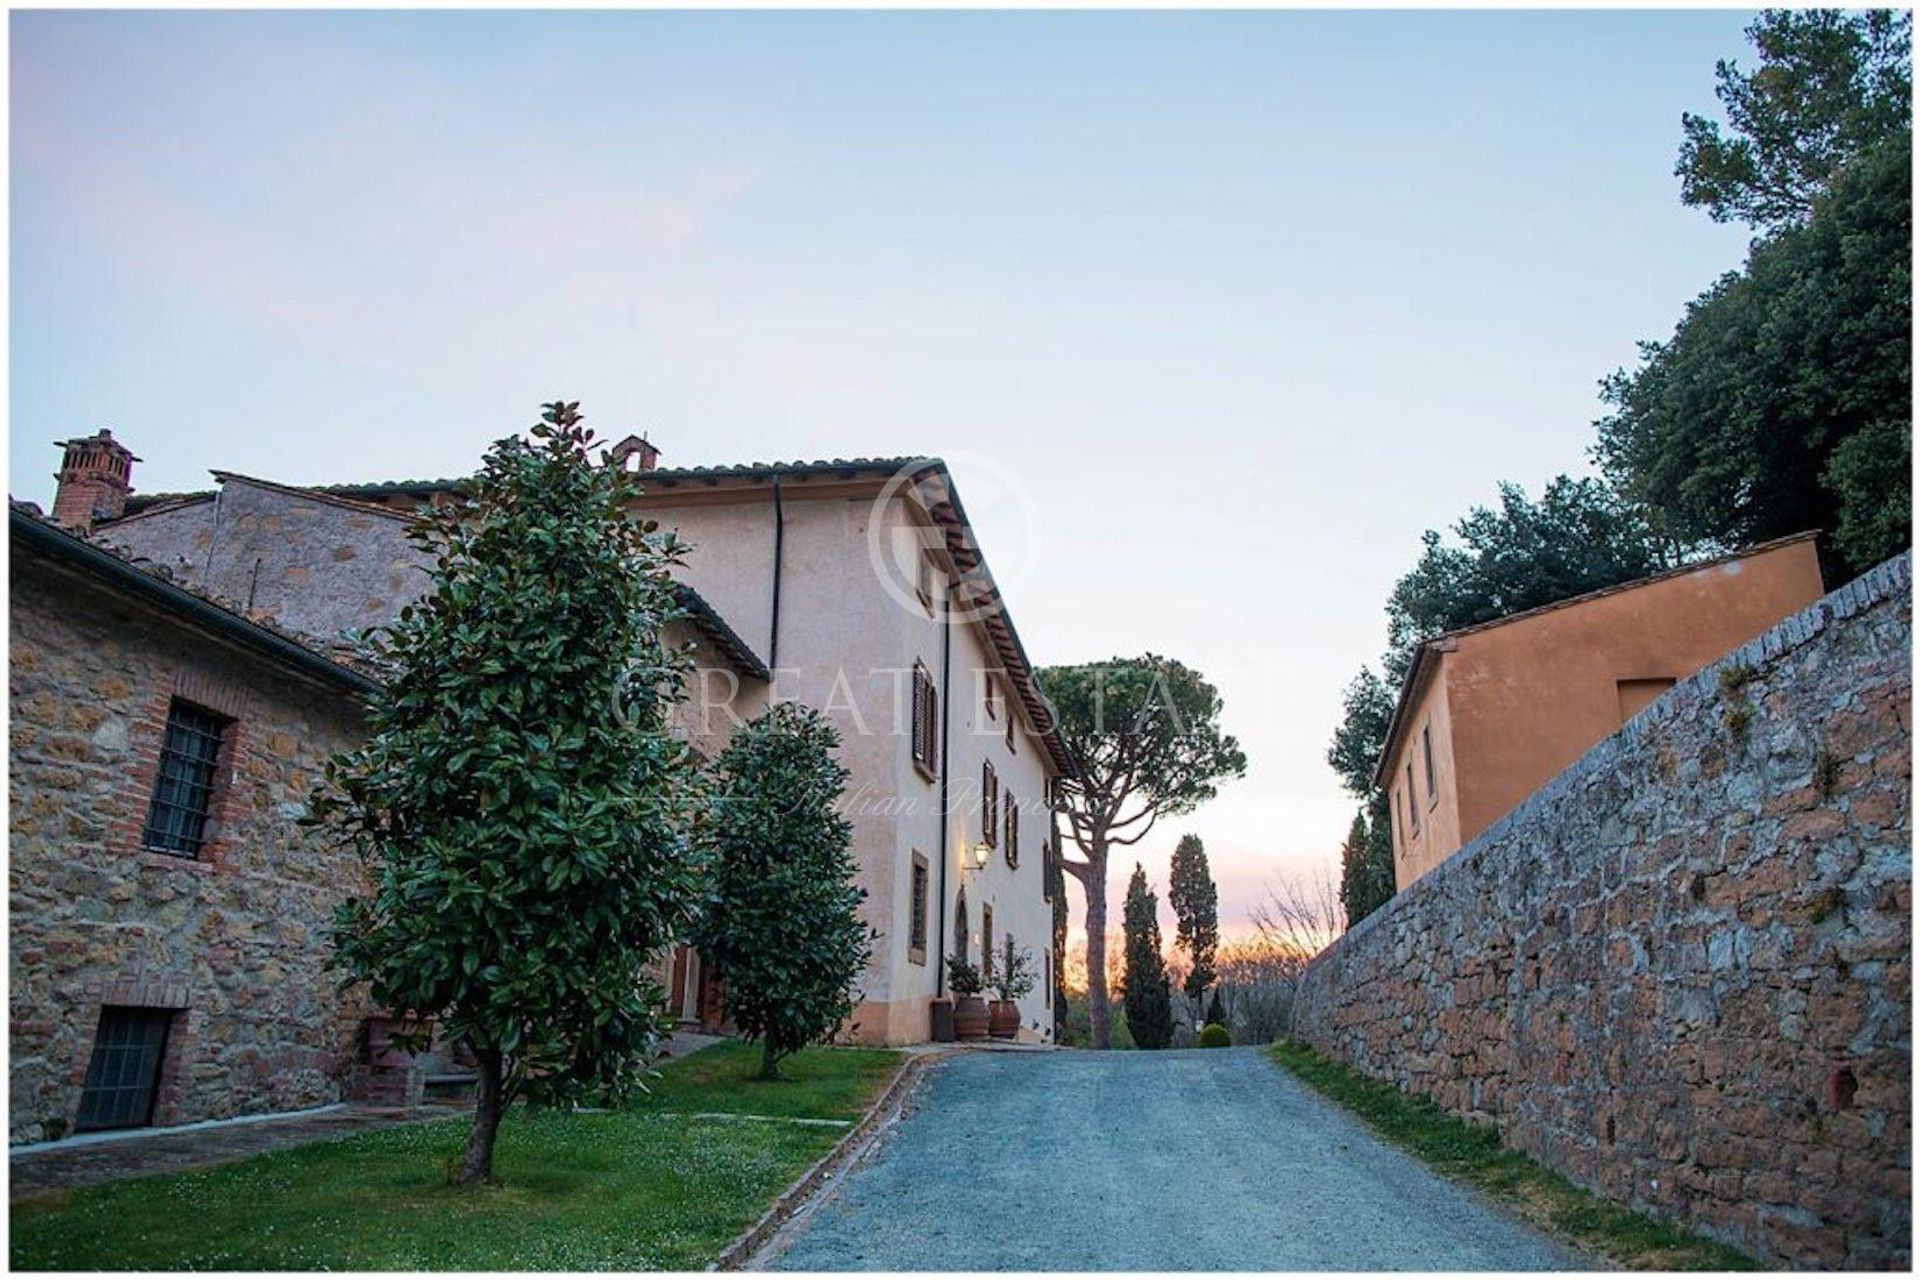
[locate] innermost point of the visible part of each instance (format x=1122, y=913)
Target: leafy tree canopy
x=782, y=926
x=1144, y=740
x=1519, y=555
x=1831, y=86
x=519, y=802
x=1367, y=711
x=1783, y=401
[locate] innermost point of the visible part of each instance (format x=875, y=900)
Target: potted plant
x=1012, y=978
x=969, y=1010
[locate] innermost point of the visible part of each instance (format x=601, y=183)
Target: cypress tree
x=1196, y=906
x=1149, y=996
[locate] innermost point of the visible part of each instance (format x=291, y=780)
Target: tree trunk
x=478, y=1165
x=769, y=1061
x=1095, y=883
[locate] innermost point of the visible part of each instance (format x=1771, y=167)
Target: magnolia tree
x=519, y=801
x=1144, y=741
x=782, y=927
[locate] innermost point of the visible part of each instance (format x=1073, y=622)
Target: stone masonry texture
x=1681, y=972
x=232, y=943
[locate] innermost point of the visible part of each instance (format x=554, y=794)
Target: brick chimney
x=635, y=453
x=95, y=478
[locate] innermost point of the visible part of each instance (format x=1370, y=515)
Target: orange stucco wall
x=1518, y=702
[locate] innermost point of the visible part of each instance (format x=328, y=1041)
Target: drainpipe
x=779, y=540
x=940, y=823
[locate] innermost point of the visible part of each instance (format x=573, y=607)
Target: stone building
x=166, y=910
x=1489, y=713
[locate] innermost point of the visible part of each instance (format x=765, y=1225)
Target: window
x=123, y=1076
x=926, y=722
x=962, y=942
x=917, y=911
x=1046, y=871
x=986, y=944
x=1636, y=695
x=183, y=787
x=1013, y=743
x=1413, y=815
x=992, y=700
x=923, y=583
x=989, y=804
x=1426, y=748
x=1046, y=963
x=1013, y=832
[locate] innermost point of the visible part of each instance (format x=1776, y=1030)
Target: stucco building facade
x=856, y=587
x=1490, y=713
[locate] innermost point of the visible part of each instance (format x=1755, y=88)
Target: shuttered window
x=926, y=721
x=1013, y=832
x=989, y=804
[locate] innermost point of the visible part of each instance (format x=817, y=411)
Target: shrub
x=1214, y=1036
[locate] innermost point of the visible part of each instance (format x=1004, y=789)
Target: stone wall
x=232, y=942
x=1681, y=972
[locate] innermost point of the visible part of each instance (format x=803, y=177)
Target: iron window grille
x=917, y=928
x=1013, y=832
x=123, y=1076
x=989, y=804
x=184, y=785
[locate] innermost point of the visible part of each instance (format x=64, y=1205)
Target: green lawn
x=1473, y=1155
x=642, y=1188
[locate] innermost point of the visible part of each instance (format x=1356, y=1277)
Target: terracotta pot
x=1003, y=1019
x=941, y=1015
x=970, y=1018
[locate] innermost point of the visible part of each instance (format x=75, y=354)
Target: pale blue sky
x=1244, y=301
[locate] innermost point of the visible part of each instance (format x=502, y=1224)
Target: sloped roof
x=1425, y=652
x=35, y=533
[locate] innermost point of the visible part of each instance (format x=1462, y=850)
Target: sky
x=1211, y=314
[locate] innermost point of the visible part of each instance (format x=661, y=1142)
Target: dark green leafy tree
x=1365, y=885
x=782, y=926
x=1578, y=537
x=1144, y=740
x=1362, y=732
x=1783, y=401
x=519, y=802
x=1149, y=995
x=1832, y=85
x=1518, y=555
x=1196, y=909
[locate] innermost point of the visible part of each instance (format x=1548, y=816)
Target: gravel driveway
x=1177, y=1160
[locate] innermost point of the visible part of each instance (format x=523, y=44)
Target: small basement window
x=123, y=1076
x=184, y=785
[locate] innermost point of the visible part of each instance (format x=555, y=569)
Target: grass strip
x=1473, y=1154
x=644, y=1187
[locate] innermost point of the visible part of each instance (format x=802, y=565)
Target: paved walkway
x=78, y=1162
x=1180, y=1160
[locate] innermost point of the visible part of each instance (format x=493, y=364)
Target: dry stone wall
x=1681, y=972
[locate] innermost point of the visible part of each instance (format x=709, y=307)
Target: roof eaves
x=723, y=636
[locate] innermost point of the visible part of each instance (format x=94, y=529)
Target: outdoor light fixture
x=977, y=855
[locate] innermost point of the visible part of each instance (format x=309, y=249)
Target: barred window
x=917, y=912
x=926, y=721
x=183, y=787
x=123, y=1076
x=986, y=943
